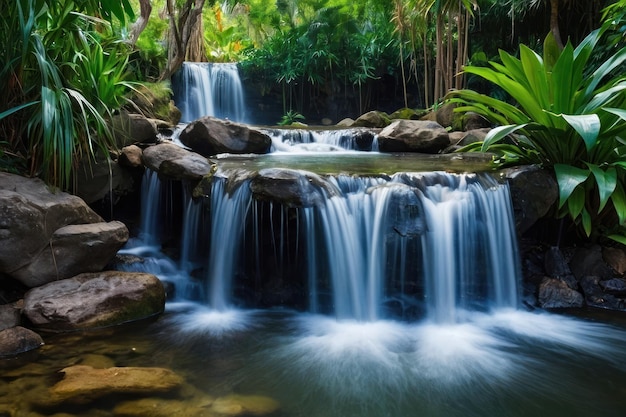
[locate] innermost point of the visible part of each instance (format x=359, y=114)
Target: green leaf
x=568, y=178
x=499, y=133
x=586, y=217
x=618, y=238
x=587, y=126
x=606, y=182
x=576, y=202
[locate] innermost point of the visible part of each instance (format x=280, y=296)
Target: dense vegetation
x=69, y=65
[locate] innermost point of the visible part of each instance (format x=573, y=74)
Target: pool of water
x=507, y=363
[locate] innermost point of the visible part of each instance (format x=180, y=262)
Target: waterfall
x=432, y=245
x=306, y=140
x=209, y=89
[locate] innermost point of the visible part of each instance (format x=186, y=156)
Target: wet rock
x=159, y=407
x=347, y=122
x=554, y=293
x=556, y=266
x=191, y=166
x=588, y=261
x=615, y=258
x=94, y=300
x=9, y=316
x=17, y=340
x=413, y=136
x=234, y=405
x=82, y=384
x=33, y=219
x=211, y=136
x=153, y=156
x=596, y=297
x=447, y=117
x=372, y=119
x=533, y=192
x=615, y=286
x=291, y=188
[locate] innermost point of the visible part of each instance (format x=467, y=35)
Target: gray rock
x=9, y=316
x=72, y=250
x=291, y=188
x=533, y=192
x=211, y=136
x=596, y=297
x=372, y=119
x=17, y=340
x=413, y=136
x=615, y=286
x=131, y=156
x=130, y=128
x=554, y=293
x=173, y=162
x=588, y=261
x=103, y=177
x=94, y=300
x=556, y=266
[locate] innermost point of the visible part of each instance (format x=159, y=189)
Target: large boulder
x=74, y=249
x=533, y=193
x=211, y=136
x=372, y=119
x=413, y=136
x=82, y=384
x=94, y=300
x=290, y=187
x=103, y=177
x=33, y=221
x=173, y=162
x=129, y=128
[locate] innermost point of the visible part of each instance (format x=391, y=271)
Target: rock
x=234, y=405
x=615, y=286
x=372, y=119
x=160, y=407
x=290, y=187
x=72, y=250
x=556, y=266
x=533, y=192
x=18, y=340
x=103, y=177
x=413, y=136
x=406, y=114
x=474, y=121
x=82, y=384
x=588, y=261
x=130, y=128
x=153, y=156
x=347, y=122
x=94, y=300
x=554, y=293
x=447, y=117
x=473, y=136
x=131, y=156
x=596, y=297
x=173, y=162
x=211, y=136
x=9, y=316
x=31, y=221
x=615, y=258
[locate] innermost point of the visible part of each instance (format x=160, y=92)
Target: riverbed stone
x=237, y=404
x=413, y=136
x=374, y=119
x=9, y=316
x=615, y=286
x=17, y=340
x=555, y=293
x=131, y=156
x=94, y=300
x=161, y=407
x=595, y=296
x=82, y=384
x=210, y=136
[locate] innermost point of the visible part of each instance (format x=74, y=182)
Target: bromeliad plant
x=569, y=117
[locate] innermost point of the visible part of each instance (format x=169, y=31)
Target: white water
x=319, y=140
x=209, y=89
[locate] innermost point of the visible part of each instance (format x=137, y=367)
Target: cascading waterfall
x=306, y=140
x=209, y=89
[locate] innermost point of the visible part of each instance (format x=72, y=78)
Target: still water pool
x=506, y=363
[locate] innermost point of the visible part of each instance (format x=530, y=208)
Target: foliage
x=569, y=117
x=290, y=118
x=63, y=74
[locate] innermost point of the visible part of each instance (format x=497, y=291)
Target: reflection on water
x=509, y=363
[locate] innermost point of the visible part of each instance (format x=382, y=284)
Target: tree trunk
x=554, y=22
x=145, y=9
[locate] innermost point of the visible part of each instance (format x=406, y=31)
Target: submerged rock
x=82, y=384
x=413, y=136
x=211, y=136
x=17, y=340
x=234, y=405
x=94, y=300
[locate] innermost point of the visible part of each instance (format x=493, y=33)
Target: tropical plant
x=290, y=118
x=61, y=77
x=568, y=116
